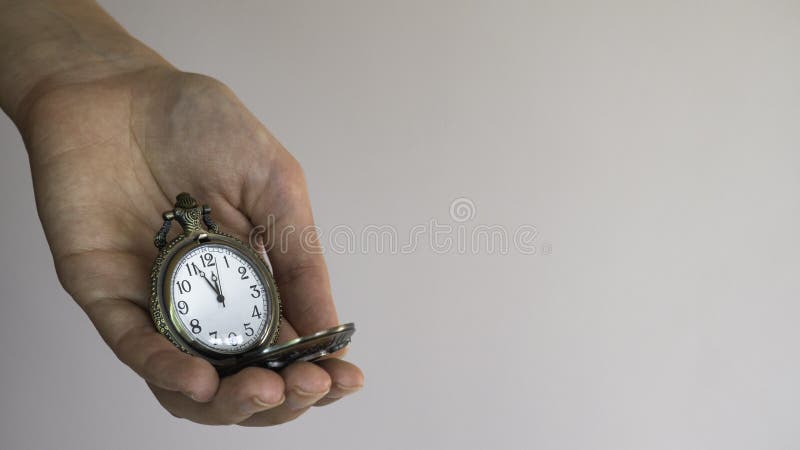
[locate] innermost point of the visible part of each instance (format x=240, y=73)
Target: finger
x=283, y=207
x=305, y=383
x=250, y=391
x=129, y=332
x=346, y=379
x=287, y=332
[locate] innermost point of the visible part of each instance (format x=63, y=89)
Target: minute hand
x=217, y=279
x=218, y=282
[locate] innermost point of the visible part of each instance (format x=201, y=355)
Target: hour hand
x=203, y=276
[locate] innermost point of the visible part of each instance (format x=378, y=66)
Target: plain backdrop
x=653, y=145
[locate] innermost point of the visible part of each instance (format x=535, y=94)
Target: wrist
x=48, y=45
x=78, y=74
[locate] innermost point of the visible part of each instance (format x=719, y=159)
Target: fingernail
x=342, y=390
x=353, y=388
x=339, y=391
x=299, y=399
x=261, y=405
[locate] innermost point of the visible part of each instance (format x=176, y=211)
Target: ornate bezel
x=163, y=311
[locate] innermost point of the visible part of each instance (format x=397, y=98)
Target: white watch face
x=220, y=298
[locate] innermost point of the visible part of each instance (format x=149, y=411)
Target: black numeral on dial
x=208, y=260
x=184, y=286
x=196, y=328
x=183, y=308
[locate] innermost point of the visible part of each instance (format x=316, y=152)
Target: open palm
x=108, y=157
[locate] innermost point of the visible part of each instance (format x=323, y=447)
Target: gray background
x=654, y=145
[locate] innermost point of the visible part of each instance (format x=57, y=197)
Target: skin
x=113, y=134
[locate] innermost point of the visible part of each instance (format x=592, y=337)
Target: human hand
x=108, y=155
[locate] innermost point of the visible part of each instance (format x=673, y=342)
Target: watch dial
x=220, y=299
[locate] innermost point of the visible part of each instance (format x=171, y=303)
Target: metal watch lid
x=305, y=348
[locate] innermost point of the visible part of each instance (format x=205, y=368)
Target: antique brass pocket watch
x=215, y=297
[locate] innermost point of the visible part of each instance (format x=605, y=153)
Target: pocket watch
x=213, y=296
